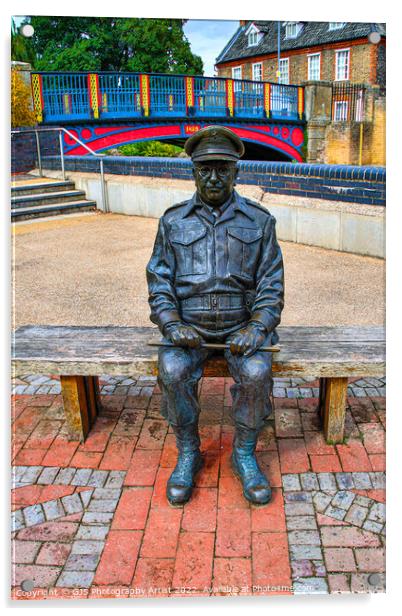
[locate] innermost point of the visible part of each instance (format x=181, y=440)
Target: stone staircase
x=33, y=197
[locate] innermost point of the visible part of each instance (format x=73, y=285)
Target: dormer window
x=336, y=25
x=292, y=29
x=253, y=36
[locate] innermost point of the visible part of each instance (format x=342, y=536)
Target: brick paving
x=92, y=520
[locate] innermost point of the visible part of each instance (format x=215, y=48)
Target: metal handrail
x=105, y=202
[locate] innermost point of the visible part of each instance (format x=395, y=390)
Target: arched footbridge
x=106, y=110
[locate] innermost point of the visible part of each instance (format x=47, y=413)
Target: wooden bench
x=80, y=354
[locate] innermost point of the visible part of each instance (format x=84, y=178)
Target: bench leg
x=332, y=406
x=81, y=404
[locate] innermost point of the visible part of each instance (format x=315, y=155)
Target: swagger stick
x=214, y=345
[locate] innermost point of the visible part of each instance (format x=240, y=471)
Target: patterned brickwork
x=91, y=520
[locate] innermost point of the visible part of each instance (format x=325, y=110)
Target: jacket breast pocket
x=190, y=247
x=244, y=249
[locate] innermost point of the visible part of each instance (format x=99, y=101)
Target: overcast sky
x=208, y=38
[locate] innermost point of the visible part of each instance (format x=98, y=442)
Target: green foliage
x=21, y=110
x=21, y=47
x=150, y=148
x=113, y=44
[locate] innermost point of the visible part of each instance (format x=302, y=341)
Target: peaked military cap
x=214, y=143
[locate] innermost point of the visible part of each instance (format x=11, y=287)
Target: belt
x=215, y=301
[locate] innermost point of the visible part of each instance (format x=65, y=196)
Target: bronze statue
x=216, y=275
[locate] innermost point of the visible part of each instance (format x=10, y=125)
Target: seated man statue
x=216, y=275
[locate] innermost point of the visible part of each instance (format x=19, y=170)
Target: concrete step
x=25, y=201
x=40, y=188
x=53, y=209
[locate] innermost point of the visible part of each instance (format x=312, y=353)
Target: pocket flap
x=245, y=235
x=187, y=234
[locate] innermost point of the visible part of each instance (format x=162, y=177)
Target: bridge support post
x=318, y=103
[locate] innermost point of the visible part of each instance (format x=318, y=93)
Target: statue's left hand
x=246, y=341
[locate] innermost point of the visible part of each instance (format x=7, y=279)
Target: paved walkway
x=91, y=271
x=93, y=518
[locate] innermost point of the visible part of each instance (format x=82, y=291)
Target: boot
x=189, y=462
x=256, y=488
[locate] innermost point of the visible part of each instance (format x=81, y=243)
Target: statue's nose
x=214, y=175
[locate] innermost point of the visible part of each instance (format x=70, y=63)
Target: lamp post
x=278, y=72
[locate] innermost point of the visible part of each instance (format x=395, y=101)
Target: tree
x=113, y=44
x=21, y=110
x=21, y=47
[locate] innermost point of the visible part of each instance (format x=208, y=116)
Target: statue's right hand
x=182, y=335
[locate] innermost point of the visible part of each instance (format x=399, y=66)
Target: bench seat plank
x=93, y=351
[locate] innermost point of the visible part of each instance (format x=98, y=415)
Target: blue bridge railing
x=80, y=96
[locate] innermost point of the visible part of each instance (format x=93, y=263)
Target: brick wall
x=367, y=63
x=24, y=150
x=336, y=183
x=378, y=141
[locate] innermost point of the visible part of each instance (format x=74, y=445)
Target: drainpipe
x=279, y=51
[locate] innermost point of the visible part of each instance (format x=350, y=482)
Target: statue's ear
x=236, y=173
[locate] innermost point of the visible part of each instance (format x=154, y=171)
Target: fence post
x=62, y=155
x=267, y=99
x=39, y=156
x=93, y=90
x=189, y=88
x=300, y=102
x=229, y=96
x=145, y=94
x=37, y=96
x=103, y=188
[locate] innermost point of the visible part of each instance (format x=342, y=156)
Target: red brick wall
x=363, y=63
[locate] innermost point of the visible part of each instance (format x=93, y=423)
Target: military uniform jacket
x=216, y=275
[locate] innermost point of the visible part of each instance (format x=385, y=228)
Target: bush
x=21, y=111
x=150, y=148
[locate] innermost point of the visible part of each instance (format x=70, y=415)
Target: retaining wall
x=338, y=225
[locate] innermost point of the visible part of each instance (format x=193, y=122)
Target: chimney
x=243, y=22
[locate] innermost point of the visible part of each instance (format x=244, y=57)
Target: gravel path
x=90, y=270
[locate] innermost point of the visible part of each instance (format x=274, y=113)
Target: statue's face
x=215, y=180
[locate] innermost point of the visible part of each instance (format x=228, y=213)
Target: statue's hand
x=182, y=335
x=246, y=341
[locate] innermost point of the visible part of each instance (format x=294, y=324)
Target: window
x=257, y=71
x=292, y=29
x=336, y=25
x=359, y=107
x=314, y=66
x=236, y=74
x=284, y=70
x=253, y=36
x=342, y=65
x=340, y=111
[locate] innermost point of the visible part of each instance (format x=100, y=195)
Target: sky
x=208, y=38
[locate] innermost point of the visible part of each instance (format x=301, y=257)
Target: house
x=309, y=51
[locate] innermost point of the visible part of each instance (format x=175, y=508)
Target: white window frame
x=337, y=67
x=309, y=61
x=253, y=36
x=290, y=25
x=253, y=66
x=336, y=25
x=237, y=85
x=284, y=61
x=341, y=110
x=237, y=68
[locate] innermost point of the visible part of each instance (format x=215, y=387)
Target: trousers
x=180, y=369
